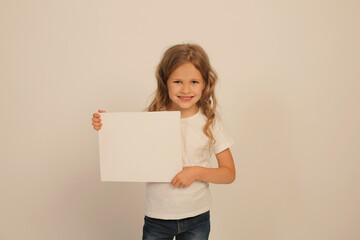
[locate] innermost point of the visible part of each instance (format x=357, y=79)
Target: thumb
x=102, y=111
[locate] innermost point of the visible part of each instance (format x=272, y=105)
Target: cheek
x=201, y=90
x=171, y=91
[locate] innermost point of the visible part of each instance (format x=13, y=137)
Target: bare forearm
x=224, y=174
x=220, y=175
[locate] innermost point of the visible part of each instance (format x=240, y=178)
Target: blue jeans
x=193, y=228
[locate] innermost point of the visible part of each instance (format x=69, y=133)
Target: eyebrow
x=194, y=79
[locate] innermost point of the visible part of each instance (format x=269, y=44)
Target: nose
x=185, y=88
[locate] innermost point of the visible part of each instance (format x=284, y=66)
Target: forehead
x=186, y=71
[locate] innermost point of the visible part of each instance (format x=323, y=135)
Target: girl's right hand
x=96, y=120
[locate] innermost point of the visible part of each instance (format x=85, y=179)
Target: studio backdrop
x=289, y=92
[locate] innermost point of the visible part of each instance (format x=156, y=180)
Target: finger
x=96, y=120
x=102, y=111
x=173, y=181
x=96, y=115
x=184, y=185
x=97, y=124
x=176, y=183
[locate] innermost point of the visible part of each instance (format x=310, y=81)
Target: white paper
x=140, y=146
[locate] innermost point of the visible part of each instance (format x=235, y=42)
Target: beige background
x=289, y=91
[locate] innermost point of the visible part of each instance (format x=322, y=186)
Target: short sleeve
x=221, y=136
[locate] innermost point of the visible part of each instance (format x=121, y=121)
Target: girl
x=185, y=83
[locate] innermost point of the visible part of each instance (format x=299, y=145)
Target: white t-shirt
x=163, y=200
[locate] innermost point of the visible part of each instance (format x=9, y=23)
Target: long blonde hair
x=173, y=58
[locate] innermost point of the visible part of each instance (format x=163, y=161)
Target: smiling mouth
x=185, y=98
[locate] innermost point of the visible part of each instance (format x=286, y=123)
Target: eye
x=177, y=82
x=194, y=82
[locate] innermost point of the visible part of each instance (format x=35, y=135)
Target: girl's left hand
x=185, y=177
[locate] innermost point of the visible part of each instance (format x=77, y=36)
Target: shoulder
x=221, y=134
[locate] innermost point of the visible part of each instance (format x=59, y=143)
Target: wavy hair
x=173, y=58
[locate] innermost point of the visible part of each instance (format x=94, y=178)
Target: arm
x=224, y=174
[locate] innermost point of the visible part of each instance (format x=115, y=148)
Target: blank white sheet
x=140, y=146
